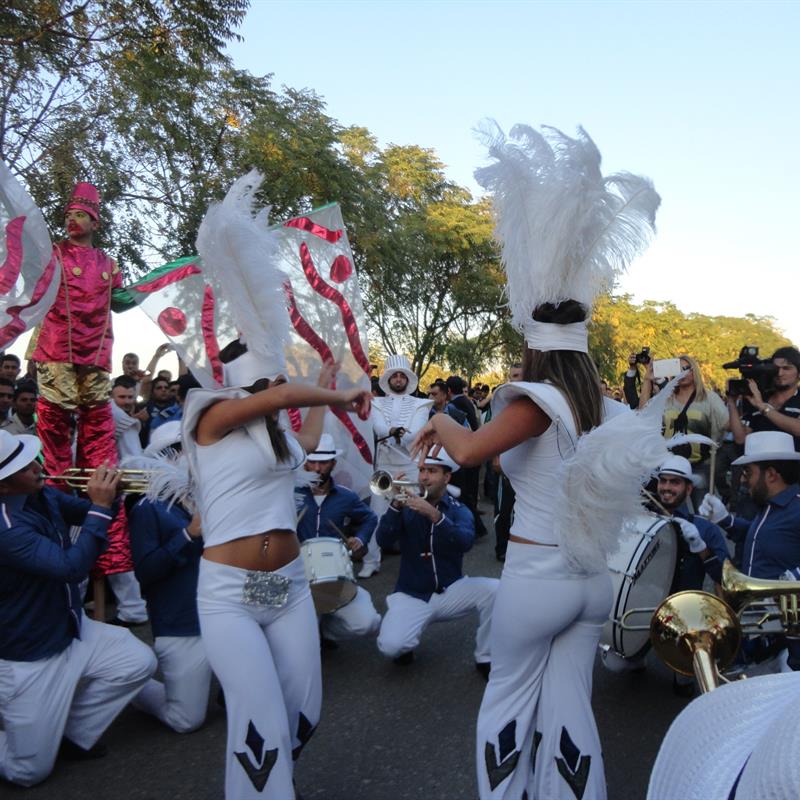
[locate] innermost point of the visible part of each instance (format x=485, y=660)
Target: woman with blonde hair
x=691, y=409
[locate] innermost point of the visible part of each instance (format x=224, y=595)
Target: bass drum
x=642, y=572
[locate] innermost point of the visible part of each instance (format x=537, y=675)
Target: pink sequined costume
x=73, y=363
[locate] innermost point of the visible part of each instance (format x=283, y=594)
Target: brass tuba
x=696, y=633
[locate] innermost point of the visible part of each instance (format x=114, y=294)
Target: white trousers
x=181, y=701
x=130, y=605
x=536, y=732
x=358, y=618
x=267, y=660
x=372, y=558
x=407, y=617
x=76, y=694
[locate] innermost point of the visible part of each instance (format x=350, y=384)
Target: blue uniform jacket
x=166, y=561
x=340, y=508
x=40, y=606
x=691, y=577
x=772, y=542
x=430, y=554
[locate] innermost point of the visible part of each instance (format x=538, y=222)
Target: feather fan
x=239, y=254
x=566, y=232
x=601, y=483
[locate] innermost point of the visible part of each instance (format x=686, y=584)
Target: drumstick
x=302, y=513
x=655, y=501
x=336, y=528
x=712, y=470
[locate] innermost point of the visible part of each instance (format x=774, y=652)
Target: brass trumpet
x=134, y=481
x=698, y=633
x=383, y=484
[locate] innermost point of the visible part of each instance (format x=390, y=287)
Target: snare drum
x=329, y=570
x=642, y=572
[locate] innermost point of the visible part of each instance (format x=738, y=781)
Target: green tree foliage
x=620, y=327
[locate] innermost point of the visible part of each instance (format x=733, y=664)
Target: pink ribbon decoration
x=166, y=280
x=312, y=338
x=295, y=418
x=9, y=272
x=304, y=330
x=17, y=325
x=318, y=284
x=309, y=226
x=209, y=337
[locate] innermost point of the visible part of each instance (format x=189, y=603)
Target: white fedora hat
x=164, y=436
x=441, y=459
x=397, y=363
x=680, y=466
x=768, y=446
x=16, y=452
x=326, y=449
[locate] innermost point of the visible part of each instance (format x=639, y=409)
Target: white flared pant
x=268, y=662
x=536, y=736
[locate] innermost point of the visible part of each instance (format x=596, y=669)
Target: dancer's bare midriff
x=266, y=551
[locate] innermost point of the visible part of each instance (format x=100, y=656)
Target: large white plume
x=566, y=232
x=239, y=253
x=168, y=478
x=601, y=483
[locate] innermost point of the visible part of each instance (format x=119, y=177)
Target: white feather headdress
x=601, y=483
x=239, y=253
x=566, y=231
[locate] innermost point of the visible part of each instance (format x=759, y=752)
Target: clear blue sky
x=702, y=97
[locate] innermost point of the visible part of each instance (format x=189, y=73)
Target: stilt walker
x=73, y=366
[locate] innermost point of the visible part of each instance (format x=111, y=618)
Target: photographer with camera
x=779, y=380
x=690, y=409
x=632, y=380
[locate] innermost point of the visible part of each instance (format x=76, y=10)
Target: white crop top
x=241, y=489
x=534, y=467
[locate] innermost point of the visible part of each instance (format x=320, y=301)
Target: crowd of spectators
x=148, y=397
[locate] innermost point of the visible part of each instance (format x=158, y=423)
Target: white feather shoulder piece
x=601, y=483
x=565, y=230
x=239, y=253
x=169, y=480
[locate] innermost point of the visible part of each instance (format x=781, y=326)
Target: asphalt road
x=387, y=732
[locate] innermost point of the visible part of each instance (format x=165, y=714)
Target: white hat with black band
x=679, y=466
x=16, y=452
x=441, y=459
x=326, y=449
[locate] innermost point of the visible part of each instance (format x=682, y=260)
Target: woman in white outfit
x=257, y=618
x=536, y=735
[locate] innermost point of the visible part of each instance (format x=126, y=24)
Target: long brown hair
x=277, y=437
x=572, y=372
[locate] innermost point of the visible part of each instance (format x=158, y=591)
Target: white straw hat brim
x=28, y=447
x=776, y=455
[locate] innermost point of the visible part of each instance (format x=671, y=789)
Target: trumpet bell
x=381, y=482
x=691, y=630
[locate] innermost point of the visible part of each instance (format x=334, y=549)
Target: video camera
x=751, y=367
x=643, y=357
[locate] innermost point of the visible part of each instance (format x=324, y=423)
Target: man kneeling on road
x=327, y=509
x=61, y=674
x=433, y=534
